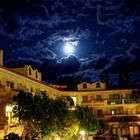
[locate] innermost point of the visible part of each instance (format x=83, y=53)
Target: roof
x=5, y=68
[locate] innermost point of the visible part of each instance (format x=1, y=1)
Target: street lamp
x=82, y=132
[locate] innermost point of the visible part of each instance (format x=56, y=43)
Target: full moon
x=68, y=48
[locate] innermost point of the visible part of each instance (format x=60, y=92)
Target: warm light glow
x=9, y=108
x=68, y=48
x=82, y=132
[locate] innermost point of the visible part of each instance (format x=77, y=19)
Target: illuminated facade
x=114, y=106
x=14, y=80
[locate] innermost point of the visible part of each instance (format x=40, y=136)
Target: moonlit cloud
x=69, y=35
x=105, y=34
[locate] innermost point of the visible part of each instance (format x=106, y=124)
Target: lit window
x=116, y=112
x=112, y=112
x=134, y=129
x=84, y=85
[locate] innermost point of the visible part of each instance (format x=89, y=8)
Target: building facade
x=115, y=107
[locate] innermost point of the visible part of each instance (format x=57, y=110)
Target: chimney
x=1, y=57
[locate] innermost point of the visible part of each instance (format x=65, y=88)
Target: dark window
x=36, y=74
x=98, y=85
x=99, y=112
x=30, y=72
x=84, y=85
x=31, y=89
x=70, y=101
x=10, y=84
x=128, y=96
x=98, y=97
x=85, y=98
x=114, y=96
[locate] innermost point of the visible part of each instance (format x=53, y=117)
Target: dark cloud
x=52, y=68
x=106, y=33
x=95, y=62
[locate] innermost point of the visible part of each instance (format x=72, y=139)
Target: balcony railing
x=94, y=103
x=131, y=101
x=126, y=113
x=87, y=103
x=110, y=102
x=121, y=101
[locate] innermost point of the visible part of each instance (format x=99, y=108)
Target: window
x=115, y=111
x=98, y=97
x=117, y=131
x=36, y=75
x=85, y=98
x=128, y=96
x=133, y=129
x=31, y=89
x=10, y=84
x=98, y=85
x=114, y=96
x=99, y=112
x=84, y=85
x=30, y=71
x=70, y=101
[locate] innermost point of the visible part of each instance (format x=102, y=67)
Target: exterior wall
x=3, y=102
x=25, y=71
x=92, y=95
x=11, y=83
x=104, y=103
x=91, y=86
x=3, y=118
x=24, y=83
x=106, y=107
x=22, y=71
x=1, y=57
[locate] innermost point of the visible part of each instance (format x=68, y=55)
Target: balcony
x=131, y=101
x=109, y=102
x=125, y=113
x=114, y=102
x=99, y=102
x=135, y=115
x=121, y=101
x=94, y=103
x=86, y=103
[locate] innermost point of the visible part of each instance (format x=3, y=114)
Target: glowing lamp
x=9, y=108
x=82, y=132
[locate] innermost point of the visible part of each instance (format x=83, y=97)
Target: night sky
x=104, y=33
